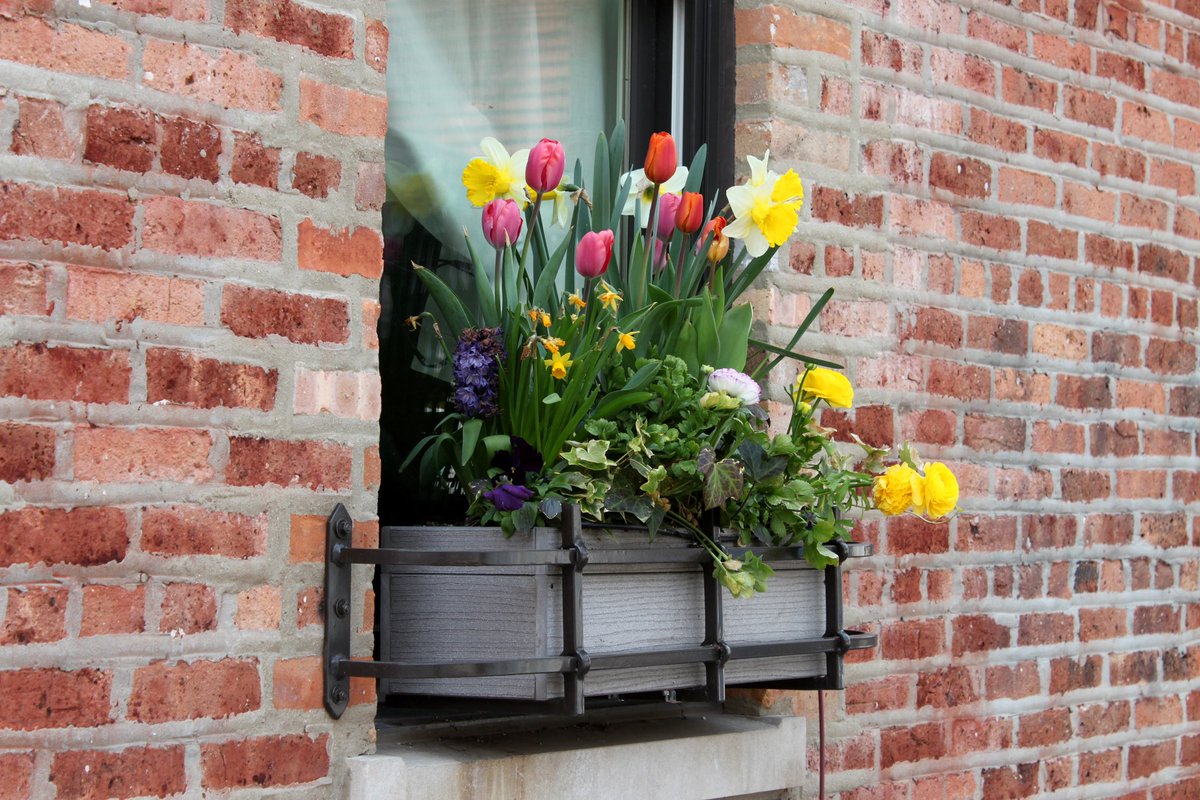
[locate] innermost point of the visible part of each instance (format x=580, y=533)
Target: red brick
x=63, y=47
x=935, y=426
x=101, y=295
x=298, y=684
x=980, y=734
x=26, y=452
x=257, y=313
x=1088, y=201
x=1081, y=392
x=1044, y=728
x=912, y=743
x=781, y=27
x=210, y=75
x=1102, y=623
x=1154, y=259
x=1008, y=783
x=376, y=50
x=124, y=138
x=963, y=381
x=1145, y=760
x=204, y=229
x=899, y=162
x=41, y=131
x=165, y=691
x=975, y=633
x=911, y=535
x=22, y=289
x=912, y=639
x=987, y=230
x=1180, y=178
x=1152, y=712
x=988, y=433
x=113, y=610
x=1126, y=669
x=936, y=325
x=316, y=176
x=966, y=177
x=1040, y=629
x=264, y=761
x=1146, y=123
x=1062, y=438
x=310, y=607
x=993, y=31
x=1116, y=348
x=1134, y=484
x=370, y=314
x=189, y=10
x=990, y=533
x=370, y=190
x=1019, y=680
x=1102, y=719
x=1155, y=619
x=34, y=615
x=1108, y=252
x=52, y=536
x=1027, y=90
x=16, y=773
x=142, y=454
x=357, y=251
x=1141, y=212
x=133, y=772
x=1165, y=530
x=188, y=608
x=1101, y=767
x=327, y=34
x=999, y=132
x=831, y=205
x=1123, y=162
x=190, y=530
x=70, y=216
x=1061, y=147
x=190, y=149
x=1044, y=239
x=343, y=111
x=253, y=162
x=946, y=688
x=177, y=376
x=887, y=52
x=38, y=699
x=314, y=465
x=1062, y=52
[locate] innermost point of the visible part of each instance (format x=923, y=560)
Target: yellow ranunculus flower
x=625, y=341
x=559, y=363
x=831, y=386
x=894, y=489
x=939, y=492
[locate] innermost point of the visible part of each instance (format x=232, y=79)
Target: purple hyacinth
x=477, y=371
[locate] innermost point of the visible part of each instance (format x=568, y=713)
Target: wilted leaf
x=724, y=482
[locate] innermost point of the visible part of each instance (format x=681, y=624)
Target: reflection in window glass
x=458, y=71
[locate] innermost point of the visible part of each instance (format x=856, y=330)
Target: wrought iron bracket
x=338, y=626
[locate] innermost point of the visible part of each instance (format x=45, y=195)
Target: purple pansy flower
x=508, y=497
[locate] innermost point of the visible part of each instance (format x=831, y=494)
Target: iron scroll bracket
x=574, y=663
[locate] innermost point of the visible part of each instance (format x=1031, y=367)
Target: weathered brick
x=190, y=149
x=208, y=230
x=26, y=452
x=340, y=110
x=164, y=691
x=260, y=609
x=63, y=47
x=222, y=77
x=190, y=530
x=257, y=313
x=314, y=465
x=113, y=610
x=264, y=761
x=124, y=138
x=781, y=27
x=316, y=175
x=357, y=251
x=34, y=615
x=253, y=162
x=51, y=536
x=132, y=772
x=325, y=33
x=101, y=295
x=68, y=216
x=184, y=378
x=188, y=608
x=912, y=743
x=41, y=130
x=142, y=454
x=376, y=49
x=39, y=699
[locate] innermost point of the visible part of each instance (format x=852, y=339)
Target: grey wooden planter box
x=465, y=612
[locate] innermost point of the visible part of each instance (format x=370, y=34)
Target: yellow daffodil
x=413, y=322
x=553, y=345
x=537, y=315
x=625, y=341
x=559, y=363
x=610, y=298
x=894, y=489
x=765, y=208
x=936, y=494
x=831, y=386
x=495, y=175
x=576, y=301
x=641, y=190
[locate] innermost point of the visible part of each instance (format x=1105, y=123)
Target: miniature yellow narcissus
x=559, y=363
x=625, y=341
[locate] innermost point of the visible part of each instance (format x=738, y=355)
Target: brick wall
x=1003, y=196
x=189, y=264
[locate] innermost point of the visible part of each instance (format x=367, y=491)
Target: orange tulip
x=661, y=159
x=719, y=246
x=690, y=213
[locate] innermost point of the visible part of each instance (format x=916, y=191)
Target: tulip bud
x=544, y=169
x=661, y=159
x=668, y=206
x=593, y=253
x=502, y=223
x=719, y=246
x=690, y=213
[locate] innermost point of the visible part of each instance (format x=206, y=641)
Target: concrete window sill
x=695, y=758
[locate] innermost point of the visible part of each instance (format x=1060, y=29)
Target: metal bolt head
x=341, y=607
x=339, y=694
x=343, y=528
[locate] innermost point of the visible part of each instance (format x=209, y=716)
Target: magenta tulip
x=502, y=223
x=544, y=169
x=668, y=205
x=593, y=253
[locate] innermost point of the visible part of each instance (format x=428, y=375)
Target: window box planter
x=578, y=611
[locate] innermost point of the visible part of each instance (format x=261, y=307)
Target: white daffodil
x=641, y=190
x=496, y=175
x=765, y=208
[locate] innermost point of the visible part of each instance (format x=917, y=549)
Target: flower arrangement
x=603, y=361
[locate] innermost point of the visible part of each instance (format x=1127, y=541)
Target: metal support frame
x=575, y=662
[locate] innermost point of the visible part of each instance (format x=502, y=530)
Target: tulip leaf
x=766, y=367
x=734, y=336
x=600, y=186
x=770, y=348
x=470, y=438
x=696, y=170
x=544, y=292
x=619, y=400
x=453, y=312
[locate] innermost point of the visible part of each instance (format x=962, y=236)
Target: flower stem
x=651, y=231
x=537, y=207
x=499, y=264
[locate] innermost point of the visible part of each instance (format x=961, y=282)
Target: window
x=460, y=70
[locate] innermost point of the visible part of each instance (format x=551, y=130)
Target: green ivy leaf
x=723, y=483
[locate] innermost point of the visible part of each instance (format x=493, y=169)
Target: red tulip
x=691, y=212
x=593, y=253
x=544, y=169
x=668, y=205
x=502, y=223
x=661, y=159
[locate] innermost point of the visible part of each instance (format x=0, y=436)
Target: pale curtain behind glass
x=460, y=70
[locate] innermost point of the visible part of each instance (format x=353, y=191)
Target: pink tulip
x=660, y=254
x=544, y=169
x=668, y=205
x=593, y=253
x=502, y=223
